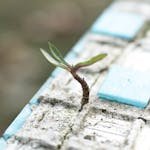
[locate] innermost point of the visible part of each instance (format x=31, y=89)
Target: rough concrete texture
x=46, y=127
x=56, y=122
x=102, y=128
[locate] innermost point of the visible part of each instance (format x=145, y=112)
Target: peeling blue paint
x=118, y=24
x=126, y=86
x=18, y=122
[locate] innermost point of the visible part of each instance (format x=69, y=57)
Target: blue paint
x=71, y=57
x=126, y=86
x=35, y=98
x=18, y=122
x=56, y=72
x=118, y=24
x=3, y=144
x=78, y=47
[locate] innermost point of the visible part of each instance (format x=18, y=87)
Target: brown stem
x=85, y=88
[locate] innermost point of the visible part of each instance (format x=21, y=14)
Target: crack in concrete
x=65, y=137
x=75, y=128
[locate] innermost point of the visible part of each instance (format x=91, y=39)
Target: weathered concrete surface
x=47, y=126
x=101, y=128
x=56, y=122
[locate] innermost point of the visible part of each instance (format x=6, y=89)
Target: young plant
x=55, y=57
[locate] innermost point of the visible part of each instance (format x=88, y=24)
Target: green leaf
x=52, y=60
x=91, y=60
x=56, y=54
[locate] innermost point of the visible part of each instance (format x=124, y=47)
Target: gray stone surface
x=47, y=126
x=101, y=128
x=142, y=140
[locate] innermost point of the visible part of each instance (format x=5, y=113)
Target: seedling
x=56, y=58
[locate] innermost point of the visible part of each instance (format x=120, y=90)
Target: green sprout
x=55, y=57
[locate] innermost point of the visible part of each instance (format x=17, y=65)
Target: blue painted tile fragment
x=3, y=144
x=56, y=72
x=18, y=122
x=118, y=24
x=35, y=98
x=78, y=47
x=126, y=86
x=71, y=57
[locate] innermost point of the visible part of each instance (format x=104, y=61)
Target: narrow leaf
x=52, y=60
x=91, y=60
x=56, y=54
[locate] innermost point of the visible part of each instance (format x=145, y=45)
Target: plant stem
x=85, y=88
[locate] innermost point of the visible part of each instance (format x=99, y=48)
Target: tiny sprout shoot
x=55, y=57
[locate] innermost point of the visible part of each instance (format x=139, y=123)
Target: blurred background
x=25, y=26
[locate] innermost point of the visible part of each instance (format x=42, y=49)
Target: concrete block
x=47, y=126
x=18, y=122
x=142, y=140
x=55, y=122
x=126, y=86
x=138, y=59
x=63, y=90
x=77, y=143
x=99, y=130
x=136, y=55
x=122, y=111
x=31, y=146
x=136, y=128
x=119, y=24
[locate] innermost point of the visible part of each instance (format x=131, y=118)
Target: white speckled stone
x=142, y=140
x=47, y=126
x=99, y=128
